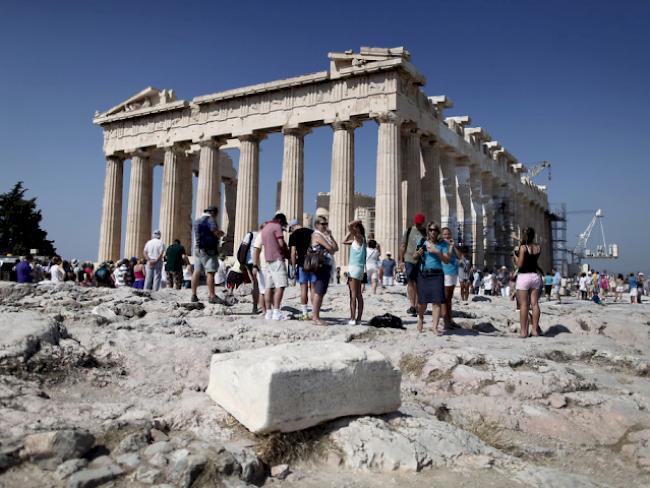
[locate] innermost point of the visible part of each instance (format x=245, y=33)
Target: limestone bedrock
x=294, y=386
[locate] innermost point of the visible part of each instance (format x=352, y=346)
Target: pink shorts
x=528, y=281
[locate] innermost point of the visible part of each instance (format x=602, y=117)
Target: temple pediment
x=149, y=97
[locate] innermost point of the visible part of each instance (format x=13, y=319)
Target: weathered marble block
x=294, y=386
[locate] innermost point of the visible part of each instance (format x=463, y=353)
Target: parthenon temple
x=441, y=166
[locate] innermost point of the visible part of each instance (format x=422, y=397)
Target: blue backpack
x=206, y=239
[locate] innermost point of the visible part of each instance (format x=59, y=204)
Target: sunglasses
x=323, y=224
x=433, y=229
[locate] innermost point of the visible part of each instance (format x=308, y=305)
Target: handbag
x=314, y=259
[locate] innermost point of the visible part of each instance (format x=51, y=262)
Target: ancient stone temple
x=452, y=172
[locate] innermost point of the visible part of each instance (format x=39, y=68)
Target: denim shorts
x=305, y=276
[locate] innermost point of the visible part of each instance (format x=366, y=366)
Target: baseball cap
x=212, y=209
x=419, y=219
x=388, y=253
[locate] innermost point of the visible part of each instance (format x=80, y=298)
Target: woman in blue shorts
x=356, y=239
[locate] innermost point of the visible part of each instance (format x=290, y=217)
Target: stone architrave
x=110, y=234
x=411, y=179
x=170, y=201
x=463, y=204
x=430, y=182
x=341, y=205
x=291, y=387
x=248, y=186
x=228, y=217
x=292, y=186
x=387, y=207
x=448, y=215
x=138, y=217
x=478, y=253
x=208, y=190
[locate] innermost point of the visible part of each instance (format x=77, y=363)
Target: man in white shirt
x=154, y=251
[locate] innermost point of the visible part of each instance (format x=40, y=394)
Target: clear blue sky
x=557, y=80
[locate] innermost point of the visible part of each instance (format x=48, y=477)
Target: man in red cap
x=406, y=251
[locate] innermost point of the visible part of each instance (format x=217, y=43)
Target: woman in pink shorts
x=528, y=282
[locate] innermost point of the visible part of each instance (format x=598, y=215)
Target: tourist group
x=429, y=262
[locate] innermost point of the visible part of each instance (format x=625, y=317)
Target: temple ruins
x=442, y=166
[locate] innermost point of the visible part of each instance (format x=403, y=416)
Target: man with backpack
x=407, y=249
x=299, y=242
x=246, y=264
x=206, y=252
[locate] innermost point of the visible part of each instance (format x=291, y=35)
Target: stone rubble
x=124, y=402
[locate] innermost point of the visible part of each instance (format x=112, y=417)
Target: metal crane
x=602, y=251
x=537, y=169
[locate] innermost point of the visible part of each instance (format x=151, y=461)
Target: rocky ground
x=107, y=386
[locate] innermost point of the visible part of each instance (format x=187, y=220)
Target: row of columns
x=413, y=174
x=175, y=203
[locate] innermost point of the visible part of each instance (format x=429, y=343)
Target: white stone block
x=294, y=386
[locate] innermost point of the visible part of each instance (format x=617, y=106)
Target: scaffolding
x=558, y=237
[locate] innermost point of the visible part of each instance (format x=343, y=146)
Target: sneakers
x=194, y=299
x=352, y=322
x=304, y=316
x=412, y=311
x=268, y=315
x=279, y=315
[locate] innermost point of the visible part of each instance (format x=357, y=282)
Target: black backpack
x=387, y=320
x=244, y=247
x=206, y=238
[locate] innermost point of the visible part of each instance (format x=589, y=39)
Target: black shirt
x=300, y=239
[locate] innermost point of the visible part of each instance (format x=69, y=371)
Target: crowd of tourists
x=430, y=263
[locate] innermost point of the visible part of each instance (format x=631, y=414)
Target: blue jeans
x=153, y=276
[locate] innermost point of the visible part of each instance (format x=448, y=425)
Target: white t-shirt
x=257, y=243
x=583, y=283
x=187, y=272
x=57, y=273
x=120, y=276
x=222, y=272
x=154, y=248
x=487, y=282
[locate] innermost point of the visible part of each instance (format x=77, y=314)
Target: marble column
x=411, y=178
x=430, y=182
x=228, y=215
x=208, y=190
x=490, y=203
x=110, y=233
x=246, y=214
x=170, y=200
x=184, y=232
x=292, y=189
x=476, y=188
x=447, y=192
x=342, y=185
x=508, y=202
x=463, y=205
x=138, y=217
x=387, y=193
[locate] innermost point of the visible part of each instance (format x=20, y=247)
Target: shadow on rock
x=556, y=330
